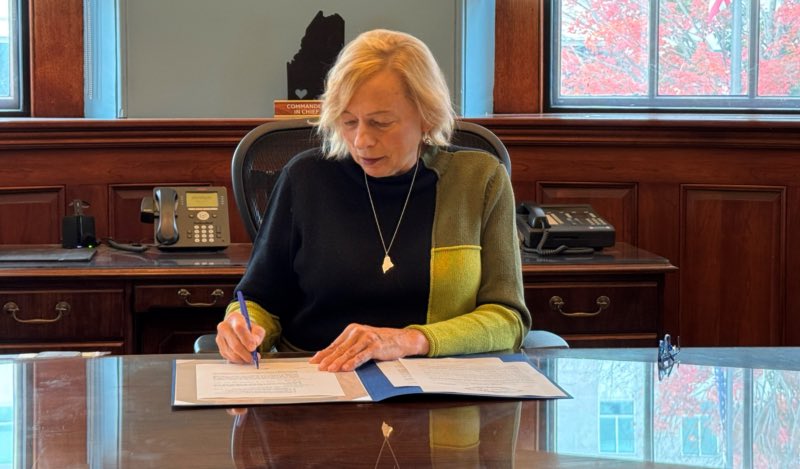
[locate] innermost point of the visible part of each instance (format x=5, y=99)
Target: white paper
x=396, y=373
x=274, y=379
x=479, y=376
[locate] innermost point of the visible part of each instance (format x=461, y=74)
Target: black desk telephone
x=188, y=217
x=562, y=229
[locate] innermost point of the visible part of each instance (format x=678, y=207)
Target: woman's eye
x=381, y=125
x=350, y=123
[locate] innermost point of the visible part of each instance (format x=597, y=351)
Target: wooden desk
x=152, y=302
x=718, y=408
x=612, y=298
x=159, y=302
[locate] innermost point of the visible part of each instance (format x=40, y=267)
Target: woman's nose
x=363, y=137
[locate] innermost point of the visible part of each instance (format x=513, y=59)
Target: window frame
x=19, y=105
x=616, y=418
x=699, y=424
x=748, y=103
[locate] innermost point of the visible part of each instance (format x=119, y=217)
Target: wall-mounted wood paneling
x=792, y=329
x=31, y=214
x=732, y=239
x=124, y=208
x=111, y=165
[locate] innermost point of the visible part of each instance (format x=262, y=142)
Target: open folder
x=295, y=381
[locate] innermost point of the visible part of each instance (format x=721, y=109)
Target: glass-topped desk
x=717, y=408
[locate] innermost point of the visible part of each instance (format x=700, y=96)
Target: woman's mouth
x=370, y=161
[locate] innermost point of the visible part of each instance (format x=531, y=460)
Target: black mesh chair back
x=262, y=153
x=257, y=161
x=468, y=136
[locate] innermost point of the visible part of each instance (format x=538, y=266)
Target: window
x=697, y=439
x=675, y=54
x=12, y=76
x=616, y=427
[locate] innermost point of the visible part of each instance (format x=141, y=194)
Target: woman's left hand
x=358, y=343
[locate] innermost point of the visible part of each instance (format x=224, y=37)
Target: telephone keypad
x=205, y=232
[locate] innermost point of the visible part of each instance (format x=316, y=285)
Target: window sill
x=647, y=129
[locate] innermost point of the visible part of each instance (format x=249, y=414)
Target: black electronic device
x=77, y=230
x=188, y=217
x=562, y=229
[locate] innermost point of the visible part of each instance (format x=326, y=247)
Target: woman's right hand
x=236, y=343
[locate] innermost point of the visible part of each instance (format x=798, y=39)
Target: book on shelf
x=297, y=108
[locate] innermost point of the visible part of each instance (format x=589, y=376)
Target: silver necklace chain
x=387, y=261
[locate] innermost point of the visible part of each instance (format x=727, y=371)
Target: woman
x=381, y=244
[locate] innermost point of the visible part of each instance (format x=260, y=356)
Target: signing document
x=478, y=376
x=475, y=376
x=273, y=379
x=294, y=381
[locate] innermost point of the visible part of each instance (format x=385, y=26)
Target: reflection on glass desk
x=718, y=408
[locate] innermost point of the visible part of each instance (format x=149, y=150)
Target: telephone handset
x=536, y=218
x=562, y=229
x=188, y=217
x=166, y=229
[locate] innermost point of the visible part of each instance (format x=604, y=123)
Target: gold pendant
x=387, y=264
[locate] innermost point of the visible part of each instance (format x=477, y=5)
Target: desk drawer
x=594, y=307
x=61, y=314
x=152, y=297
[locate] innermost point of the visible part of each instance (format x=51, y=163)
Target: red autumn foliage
x=604, y=48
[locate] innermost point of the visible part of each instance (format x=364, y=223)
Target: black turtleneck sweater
x=317, y=259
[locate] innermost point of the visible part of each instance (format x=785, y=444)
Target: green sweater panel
x=476, y=301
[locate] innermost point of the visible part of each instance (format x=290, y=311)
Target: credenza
x=123, y=302
x=160, y=302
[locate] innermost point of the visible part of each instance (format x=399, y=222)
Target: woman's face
x=381, y=126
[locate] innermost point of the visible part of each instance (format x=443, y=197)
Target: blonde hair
x=372, y=52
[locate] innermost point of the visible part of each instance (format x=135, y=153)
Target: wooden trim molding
x=123, y=133
x=648, y=130
x=641, y=130
x=56, y=58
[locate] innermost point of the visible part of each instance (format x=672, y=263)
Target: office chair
x=262, y=153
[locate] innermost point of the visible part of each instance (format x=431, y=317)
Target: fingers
x=356, y=345
x=236, y=343
x=346, y=358
x=335, y=350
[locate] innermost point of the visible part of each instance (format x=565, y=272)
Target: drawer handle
x=557, y=305
x=12, y=309
x=217, y=294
